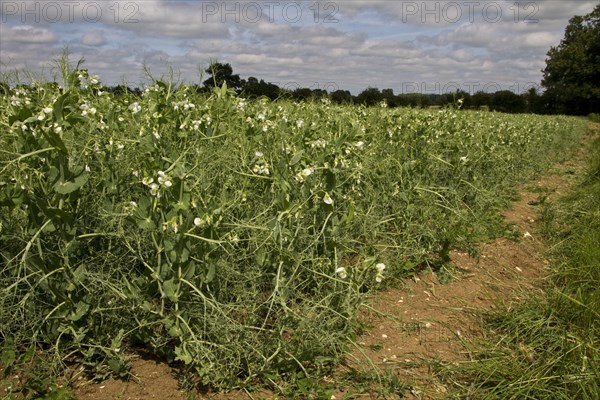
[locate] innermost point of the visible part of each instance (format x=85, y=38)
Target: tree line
x=507, y=101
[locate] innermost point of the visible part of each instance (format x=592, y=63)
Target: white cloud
x=543, y=40
x=167, y=19
x=27, y=34
x=94, y=38
x=374, y=43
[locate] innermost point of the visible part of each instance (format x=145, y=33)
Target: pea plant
x=235, y=238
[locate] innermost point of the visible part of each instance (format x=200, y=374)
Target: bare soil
x=420, y=324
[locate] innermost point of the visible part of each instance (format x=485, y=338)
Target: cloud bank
x=428, y=46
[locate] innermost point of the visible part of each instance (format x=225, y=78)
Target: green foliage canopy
x=572, y=73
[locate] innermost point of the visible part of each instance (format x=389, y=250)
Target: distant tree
x=341, y=97
x=389, y=97
x=254, y=88
x=403, y=100
x=369, y=97
x=412, y=100
x=465, y=97
x=572, y=73
x=425, y=100
x=507, y=101
x=319, y=93
x=301, y=94
x=219, y=73
x=533, y=101
x=481, y=100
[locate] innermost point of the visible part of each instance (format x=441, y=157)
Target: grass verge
x=549, y=347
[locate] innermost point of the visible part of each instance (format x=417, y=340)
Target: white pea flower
x=171, y=224
x=154, y=189
x=342, y=273
x=306, y=172
x=241, y=103
x=197, y=221
x=261, y=169
x=463, y=159
x=164, y=179
x=380, y=267
x=135, y=108
x=360, y=144
x=327, y=199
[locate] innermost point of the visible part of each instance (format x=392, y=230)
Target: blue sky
x=430, y=46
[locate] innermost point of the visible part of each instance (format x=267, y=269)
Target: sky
x=408, y=46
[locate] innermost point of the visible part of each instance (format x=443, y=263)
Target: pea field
x=234, y=237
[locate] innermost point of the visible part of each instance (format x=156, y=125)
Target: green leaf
x=66, y=187
x=172, y=256
x=171, y=290
x=118, y=366
x=54, y=139
x=184, y=255
x=146, y=224
x=80, y=310
x=346, y=219
x=59, y=216
x=8, y=356
x=190, y=270
x=118, y=339
x=210, y=273
x=297, y=156
x=79, y=274
x=57, y=108
x=175, y=331
x=21, y=115
x=183, y=355
x=330, y=181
